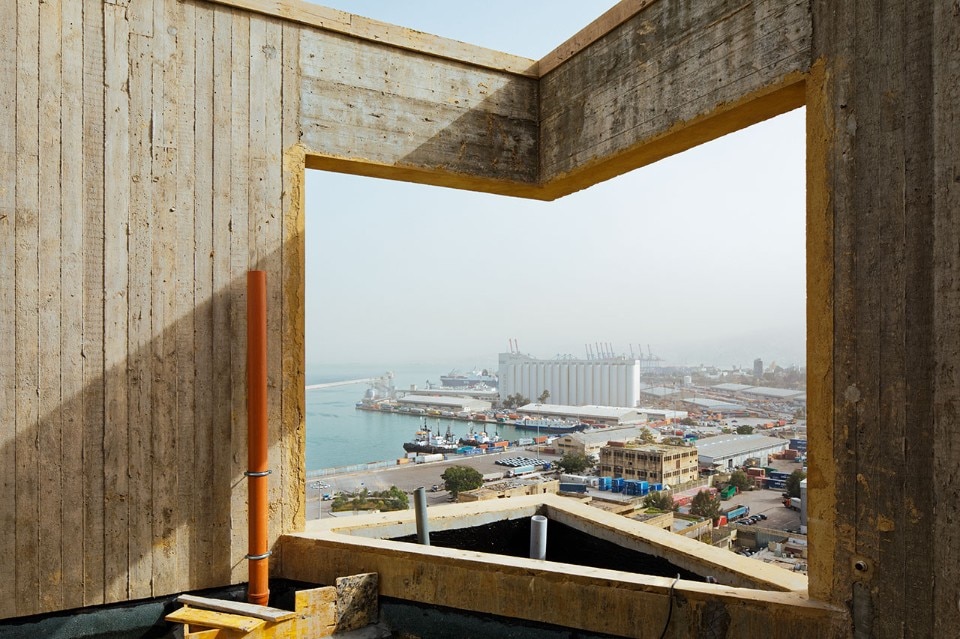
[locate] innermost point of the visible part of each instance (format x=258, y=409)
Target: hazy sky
x=701, y=255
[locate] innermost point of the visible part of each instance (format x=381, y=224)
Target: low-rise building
x=437, y=402
x=730, y=451
x=655, y=463
x=510, y=488
x=589, y=443
x=600, y=415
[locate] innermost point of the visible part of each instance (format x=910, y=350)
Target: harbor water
x=340, y=435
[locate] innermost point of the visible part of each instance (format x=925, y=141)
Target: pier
x=365, y=380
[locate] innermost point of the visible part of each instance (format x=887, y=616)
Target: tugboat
x=478, y=439
x=426, y=442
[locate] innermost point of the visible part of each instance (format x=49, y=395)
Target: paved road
x=407, y=478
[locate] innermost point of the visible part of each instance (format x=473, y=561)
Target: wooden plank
x=204, y=548
x=94, y=374
x=27, y=314
x=8, y=302
x=222, y=337
x=186, y=304
x=72, y=284
x=239, y=265
x=50, y=408
x=293, y=409
x=238, y=607
x=211, y=619
x=116, y=223
x=139, y=337
x=163, y=416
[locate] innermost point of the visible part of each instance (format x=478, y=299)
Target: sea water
x=340, y=435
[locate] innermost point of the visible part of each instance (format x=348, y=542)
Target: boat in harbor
x=425, y=441
x=473, y=379
x=479, y=439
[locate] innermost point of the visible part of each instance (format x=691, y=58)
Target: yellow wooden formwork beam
x=316, y=615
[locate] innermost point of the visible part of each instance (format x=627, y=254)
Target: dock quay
x=407, y=477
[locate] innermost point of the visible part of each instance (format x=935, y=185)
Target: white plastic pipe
x=538, y=537
x=420, y=505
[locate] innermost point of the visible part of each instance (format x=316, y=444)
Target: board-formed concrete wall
x=151, y=152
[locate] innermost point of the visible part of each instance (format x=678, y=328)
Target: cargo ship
x=473, y=379
x=547, y=425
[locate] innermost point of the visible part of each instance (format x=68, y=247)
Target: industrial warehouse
x=732, y=451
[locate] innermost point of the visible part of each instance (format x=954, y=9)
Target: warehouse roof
x=451, y=402
x=782, y=393
x=589, y=412
x=732, y=387
x=734, y=445
x=659, y=391
x=713, y=404
x=605, y=435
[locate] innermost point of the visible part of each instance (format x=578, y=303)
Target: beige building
x=590, y=443
x=656, y=463
x=511, y=488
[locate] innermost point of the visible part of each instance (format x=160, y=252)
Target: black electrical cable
x=670, y=609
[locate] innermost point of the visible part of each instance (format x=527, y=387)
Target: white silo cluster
x=613, y=381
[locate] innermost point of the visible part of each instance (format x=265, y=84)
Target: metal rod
x=423, y=526
x=538, y=537
x=258, y=588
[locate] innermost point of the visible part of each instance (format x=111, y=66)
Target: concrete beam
x=370, y=110
x=632, y=605
x=649, y=88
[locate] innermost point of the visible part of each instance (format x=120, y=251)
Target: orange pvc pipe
x=258, y=589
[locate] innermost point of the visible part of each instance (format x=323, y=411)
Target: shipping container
x=520, y=470
x=572, y=488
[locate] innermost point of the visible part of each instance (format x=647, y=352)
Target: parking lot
x=769, y=503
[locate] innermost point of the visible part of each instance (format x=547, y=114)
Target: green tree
x=544, y=396
x=744, y=429
x=574, y=463
x=515, y=400
x=793, y=482
x=461, y=478
x=705, y=505
x=739, y=479
x=688, y=421
x=660, y=501
x=396, y=498
x=646, y=436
